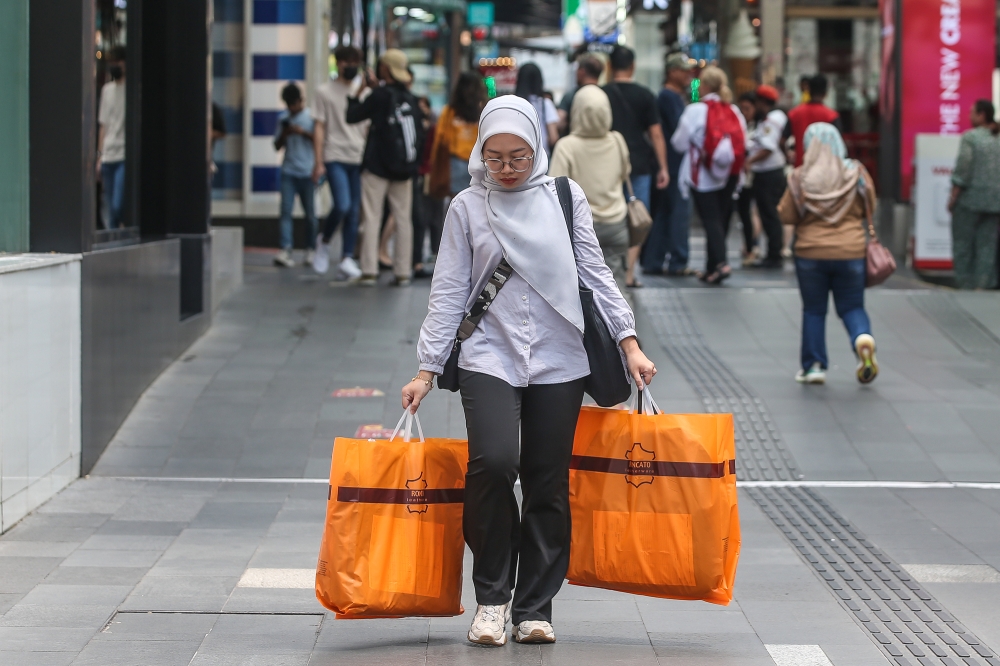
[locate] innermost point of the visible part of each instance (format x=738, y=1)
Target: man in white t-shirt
x=766, y=159
x=341, y=147
x=111, y=138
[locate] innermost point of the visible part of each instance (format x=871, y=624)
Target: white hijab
x=527, y=219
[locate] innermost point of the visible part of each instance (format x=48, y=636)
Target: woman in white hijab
x=522, y=370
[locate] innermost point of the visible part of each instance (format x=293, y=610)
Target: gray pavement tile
x=258, y=600
x=78, y=616
x=621, y=610
x=696, y=622
x=36, y=548
x=180, y=508
x=49, y=594
x=457, y=651
x=709, y=648
x=8, y=599
x=40, y=638
x=158, y=627
x=112, y=558
x=143, y=527
x=127, y=542
x=606, y=632
x=235, y=658
x=802, y=622
x=181, y=593
x=235, y=515
x=128, y=576
x=131, y=653
x=37, y=658
x=20, y=574
x=591, y=654
x=854, y=654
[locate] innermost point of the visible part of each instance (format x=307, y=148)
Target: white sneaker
x=321, y=262
x=350, y=268
x=284, y=258
x=867, y=371
x=489, y=627
x=310, y=256
x=814, y=375
x=534, y=631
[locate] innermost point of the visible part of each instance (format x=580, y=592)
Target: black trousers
x=746, y=217
x=768, y=188
x=527, y=431
x=715, y=209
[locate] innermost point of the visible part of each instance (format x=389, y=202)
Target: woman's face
x=747, y=107
x=508, y=148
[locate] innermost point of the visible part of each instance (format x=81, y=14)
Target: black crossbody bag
x=607, y=383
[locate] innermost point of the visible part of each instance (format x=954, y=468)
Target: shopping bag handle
x=643, y=402
x=408, y=419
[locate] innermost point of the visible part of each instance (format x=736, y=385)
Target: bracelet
x=429, y=382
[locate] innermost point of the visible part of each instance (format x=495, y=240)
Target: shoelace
x=490, y=613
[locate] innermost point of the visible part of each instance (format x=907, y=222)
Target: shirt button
x=524, y=298
x=525, y=346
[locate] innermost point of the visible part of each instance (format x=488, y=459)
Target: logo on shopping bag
x=640, y=465
x=416, y=494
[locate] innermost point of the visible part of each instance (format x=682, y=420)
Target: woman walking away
x=975, y=201
x=521, y=372
x=597, y=159
x=457, y=129
x=712, y=135
x=829, y=200
x=531, y=86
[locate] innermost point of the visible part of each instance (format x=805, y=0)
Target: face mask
x=348, y=73
x=116, y=71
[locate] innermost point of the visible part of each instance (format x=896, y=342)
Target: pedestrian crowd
x=392, y=167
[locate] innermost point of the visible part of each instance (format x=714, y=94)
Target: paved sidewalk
x=182, y=567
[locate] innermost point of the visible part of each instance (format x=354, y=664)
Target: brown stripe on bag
x=651, y=467
x=400, y=495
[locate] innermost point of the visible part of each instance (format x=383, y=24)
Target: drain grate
x=760, y=453
x=903, y=619
x=900, y=615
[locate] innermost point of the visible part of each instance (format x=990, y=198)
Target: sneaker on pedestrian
x=368, y=280
x=321, y=261
x=814, y=375
x=310, y=256
x=489, y=627
x=350, y=268
x=284, y=258
x=864, y=345
x=534, y=631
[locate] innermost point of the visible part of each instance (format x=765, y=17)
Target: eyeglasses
x=518, y=164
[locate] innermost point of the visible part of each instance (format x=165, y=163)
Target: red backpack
x=721, y=123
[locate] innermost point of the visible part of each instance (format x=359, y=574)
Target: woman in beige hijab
x=829, y=201
x=597, y=159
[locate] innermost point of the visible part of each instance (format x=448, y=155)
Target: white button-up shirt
x=767, y=136
x=521, y=339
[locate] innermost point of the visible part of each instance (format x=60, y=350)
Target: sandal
x=635, y=284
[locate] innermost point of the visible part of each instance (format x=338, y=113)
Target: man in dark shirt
x=672, y=222
x=807, y=113
x=588, y=72
x=634, y=115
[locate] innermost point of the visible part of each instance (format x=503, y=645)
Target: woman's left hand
x=640, y=368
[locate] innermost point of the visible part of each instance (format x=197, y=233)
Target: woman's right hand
x=416, y=390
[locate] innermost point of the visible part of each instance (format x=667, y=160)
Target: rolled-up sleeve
x=449, y=292
x=595, y=274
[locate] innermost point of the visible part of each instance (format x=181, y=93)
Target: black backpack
x=404, y=143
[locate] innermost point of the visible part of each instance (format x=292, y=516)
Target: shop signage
x=947, y=64
x=479, y=13
x=935, y=159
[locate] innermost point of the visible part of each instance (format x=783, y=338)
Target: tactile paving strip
x=760, y=454
x=902, y=617
x=899, y=614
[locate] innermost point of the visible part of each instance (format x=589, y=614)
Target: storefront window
x=110, y=52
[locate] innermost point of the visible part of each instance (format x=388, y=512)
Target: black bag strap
x=566, y=203
x=496, y=282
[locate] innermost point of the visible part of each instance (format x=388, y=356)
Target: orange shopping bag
x=653, y=501
x=393, y=544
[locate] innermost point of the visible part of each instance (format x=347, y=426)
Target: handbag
x=607, y=384
x=448, y=379
x=879, y=262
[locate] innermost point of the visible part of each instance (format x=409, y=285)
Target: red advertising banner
x=947, y=63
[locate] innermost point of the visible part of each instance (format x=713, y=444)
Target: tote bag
x=392, y=545
x=653, y=503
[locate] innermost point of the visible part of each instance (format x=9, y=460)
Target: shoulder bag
x=607, y=383
x=879, y=262
x=639, y=219
x=448, y=379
